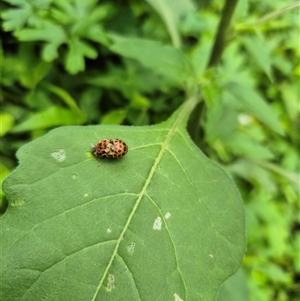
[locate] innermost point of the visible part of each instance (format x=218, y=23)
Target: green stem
x=221, y=37
x=293, y=177
x=190, y=105
x=277, y=13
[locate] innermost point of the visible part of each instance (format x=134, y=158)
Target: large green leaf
x=162, y=223
x=165, y=60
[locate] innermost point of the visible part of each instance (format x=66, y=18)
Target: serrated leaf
x=85, y=5
x=166, y=60
x=65, y=7
x=42, y=4
x=16, y=18
x=89, y=16
x=259, y=51
x=163, y=222
x=96, y=33
x=49, y=32
x=255, y=104
x=75, y=56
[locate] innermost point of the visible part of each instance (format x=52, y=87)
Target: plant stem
x=293, y=177
x=277, y=13
x=187, y=108
x=221, y=36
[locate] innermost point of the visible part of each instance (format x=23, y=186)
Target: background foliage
x=60, y=67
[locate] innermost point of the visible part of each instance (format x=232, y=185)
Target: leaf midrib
x=185, y=110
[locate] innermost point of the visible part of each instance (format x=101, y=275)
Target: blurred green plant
x=70, y=62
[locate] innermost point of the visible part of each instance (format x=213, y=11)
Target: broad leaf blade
x=164, y=221
x=165, y=60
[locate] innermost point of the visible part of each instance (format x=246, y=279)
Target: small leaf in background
x=38, y=100
x=171, y=11
x=48, y=118
x=218, y=115
x=259, y=51
x=89, y=103
x=114, y=117
x=7, y=122
x=75, y=56
x=137, y=117
x=115, y=79
x=241, y=144
x=253, y=103
x=138, y=109
x=88, y=17
x=134, y=79
x=65, y=7
x=165, y=60
x=4, y=172
x=64, y=96
x=290, y=97
x=15, y=19
x=139, y=101
x=233, y=67
x=200, y=56
x=97, y=33
x=246, y=169
x=163, y=221
x=50, y=52
x=48, y=31
x=26, y=68
x=275, y=273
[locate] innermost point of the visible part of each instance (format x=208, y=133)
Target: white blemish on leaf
x=109, y=230
x=86, y=195
x=60, y=155
x=74, y=176
x=157, y=223
x=244, y=119
x=177, y=298
x=131, y=247
x=167, y=215
x=110, y=282
x=16, y=203
x=211, y=256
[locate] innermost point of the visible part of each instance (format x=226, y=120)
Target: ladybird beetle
x=110, y=148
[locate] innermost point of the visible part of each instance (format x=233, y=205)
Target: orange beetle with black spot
x=110, y=148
